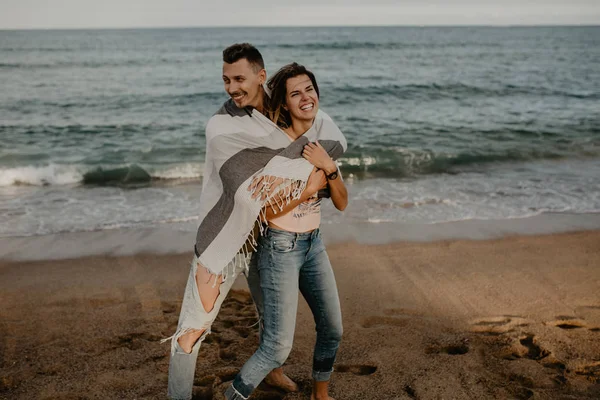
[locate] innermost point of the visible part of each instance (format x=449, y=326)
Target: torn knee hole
x=188, y=341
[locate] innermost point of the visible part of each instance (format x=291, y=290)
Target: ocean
x=104, y=129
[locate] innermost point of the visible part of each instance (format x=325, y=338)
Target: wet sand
x=509, y=318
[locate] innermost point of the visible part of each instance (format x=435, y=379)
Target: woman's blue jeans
x=287, y=262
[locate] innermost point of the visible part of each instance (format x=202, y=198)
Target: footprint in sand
x=529, y=347
x=591, y=371
x=591, y=314
x=567, y=322
x=356, y=369
x=498, y=325
x=534, y=350
x=525, y=346
x=454, y=348
x=587, y=317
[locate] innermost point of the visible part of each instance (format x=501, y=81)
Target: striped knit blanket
x=242, y=144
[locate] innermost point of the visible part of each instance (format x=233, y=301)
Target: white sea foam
x=52, y=174
x=499, y=193
x=183, y=171
x=357, y=161
x=60, y=174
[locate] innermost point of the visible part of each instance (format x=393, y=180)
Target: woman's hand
x=317, y=156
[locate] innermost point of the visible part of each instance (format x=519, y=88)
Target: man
x=244, y=75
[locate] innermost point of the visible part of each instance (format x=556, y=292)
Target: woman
x=291, y=254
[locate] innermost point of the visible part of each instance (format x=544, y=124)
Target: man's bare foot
x=278, y=379
x=320, y=391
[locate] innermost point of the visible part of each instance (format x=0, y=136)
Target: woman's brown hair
x=277, y=86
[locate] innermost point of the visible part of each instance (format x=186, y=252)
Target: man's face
x=243, y=83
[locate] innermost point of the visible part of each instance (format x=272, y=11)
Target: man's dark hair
x=237, y=51
x=277, y=86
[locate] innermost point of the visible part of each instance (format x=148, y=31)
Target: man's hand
x=315, y=154
x=316, y=181
x=264, y=186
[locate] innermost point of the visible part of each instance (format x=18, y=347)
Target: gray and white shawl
x=242, y=144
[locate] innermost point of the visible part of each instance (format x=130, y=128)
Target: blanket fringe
x=286, y=192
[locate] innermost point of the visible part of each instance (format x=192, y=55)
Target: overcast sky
x=25, y=14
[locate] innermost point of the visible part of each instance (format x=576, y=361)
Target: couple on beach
x=270, y=159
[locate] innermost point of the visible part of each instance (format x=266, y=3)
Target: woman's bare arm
x=317, y=156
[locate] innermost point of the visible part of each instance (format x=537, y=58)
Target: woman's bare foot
x=278, y=379
x=314, y=397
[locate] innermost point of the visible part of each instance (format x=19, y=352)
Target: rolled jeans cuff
x=232, y=394
x=321, y=376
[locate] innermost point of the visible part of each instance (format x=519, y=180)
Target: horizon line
x=517, y=25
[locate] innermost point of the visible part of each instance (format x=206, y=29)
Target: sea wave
x=360, y=162
x=436, y=91
x=403, y=162
x=60, y=174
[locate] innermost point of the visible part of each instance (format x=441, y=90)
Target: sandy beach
x=505, y=318
x=467, y=260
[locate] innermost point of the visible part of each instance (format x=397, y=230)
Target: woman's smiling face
x=302, y=100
